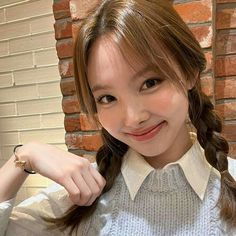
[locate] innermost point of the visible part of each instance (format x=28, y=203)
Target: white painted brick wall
x=30, y=96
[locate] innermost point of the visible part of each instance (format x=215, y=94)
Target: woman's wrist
x=22, y=159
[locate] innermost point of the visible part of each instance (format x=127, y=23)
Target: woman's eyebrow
x=97, y=87
x=143, y=71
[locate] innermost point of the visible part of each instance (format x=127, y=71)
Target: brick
x=36, y=75
x=87, y=124
x=66, y=68
x=204, y=35
x=6, y=80
x=85, y=142
x=7, y=109
x=207, y=85
x=209, y=64
x=225, y=42
x=6, y=151
x=225, y=66
x=229, y=132
x=226, y=18
x=18, y=93
x=32, y=42
x=227, y=110
x=19, y=123
x=61, y=9
x=49, y=90
x=68, y=86
x=70, y=105
x=2, y=16
x=75, y=29
x=39, y=106
x=4, y=48
x=64, y=48
x=225, y=1
x=79, y=9
x=232, y=150
x=7, y=2
x=52, y=120
x=46, y=136
x=46, y=57
x=61, y=146
x=72, y=123
x=225, y=88
x=28, y=9
x=42, y=24
x=9, y=138
x=16, y=62
x=63, y=28
x=15, y=29
x=195, y=12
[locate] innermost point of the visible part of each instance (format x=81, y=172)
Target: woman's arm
x=11, y=179
x=83, y=182
x=80, y=179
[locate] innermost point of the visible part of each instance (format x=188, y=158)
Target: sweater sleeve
x=25, y=219
x=5, y=212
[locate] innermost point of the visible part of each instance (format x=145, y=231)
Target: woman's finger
x=73, y=190
x=86, y=185
x=98, y=177
x=92, y=184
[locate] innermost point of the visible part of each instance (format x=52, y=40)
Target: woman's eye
x=151, y=83
x=105, y=99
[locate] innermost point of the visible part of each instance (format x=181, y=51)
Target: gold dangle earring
x=190, y=127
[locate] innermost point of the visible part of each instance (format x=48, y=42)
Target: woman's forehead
x=106, y=54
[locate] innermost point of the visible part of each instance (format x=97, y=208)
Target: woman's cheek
x=106, y=118
x=161, y=102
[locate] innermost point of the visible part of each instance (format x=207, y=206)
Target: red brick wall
x=211, y=21
x=225, y=67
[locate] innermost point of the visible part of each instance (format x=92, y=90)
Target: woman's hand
x=82, y=181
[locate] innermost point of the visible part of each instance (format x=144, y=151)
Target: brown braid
x=209, y=127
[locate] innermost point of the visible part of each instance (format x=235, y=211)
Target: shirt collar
x=193, y=163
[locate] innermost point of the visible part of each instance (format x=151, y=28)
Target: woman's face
x=144, y=111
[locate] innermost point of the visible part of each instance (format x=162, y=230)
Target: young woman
x=163, y=167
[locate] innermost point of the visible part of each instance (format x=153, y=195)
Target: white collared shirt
x=193, y=163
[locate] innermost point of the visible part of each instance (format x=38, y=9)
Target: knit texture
x=164, y=205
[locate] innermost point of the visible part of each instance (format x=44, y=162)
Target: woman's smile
x=148, y=133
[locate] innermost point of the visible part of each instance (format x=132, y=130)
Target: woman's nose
x=135, y=114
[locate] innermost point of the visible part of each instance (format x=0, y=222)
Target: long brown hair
x=149, y=30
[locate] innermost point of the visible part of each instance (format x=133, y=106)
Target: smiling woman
x=117, y=40
x=125, y=105
x=137, y=71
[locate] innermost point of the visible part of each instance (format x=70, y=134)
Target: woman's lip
x=148, y=135
x=143, y=132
